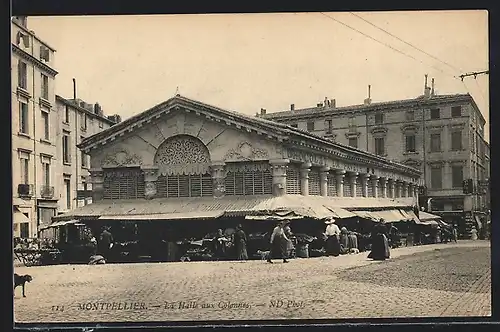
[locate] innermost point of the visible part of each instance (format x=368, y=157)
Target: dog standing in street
x=21, y=281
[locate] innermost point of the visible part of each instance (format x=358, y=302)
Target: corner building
x=441, y=135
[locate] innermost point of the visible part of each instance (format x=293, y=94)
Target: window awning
x=166, y=216
x=19, y=217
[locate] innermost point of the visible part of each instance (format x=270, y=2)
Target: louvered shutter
x=359, y=188
x=258, y=182
x=267, y=182
x=379, y=190
x=230, y=185
x=206, y=185
x=347, y=188
x=314, y=186
x=238, y=183
x=332, y=185
x=248, y=183
x=292, y=180
x=370, y=190
x=195, y=185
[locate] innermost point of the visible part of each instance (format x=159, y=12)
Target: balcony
x=47, y=192
x=25, y=190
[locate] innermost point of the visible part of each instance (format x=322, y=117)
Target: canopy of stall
x=62, y=223
x=387, y=215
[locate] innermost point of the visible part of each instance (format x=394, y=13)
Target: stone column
x=150, y=177
x=304, y=178
x=97, y=180
x=364, y=184
x=339, y=176
x=218, y=178
x=323, y=180
x=352, y=178
x=383, y=183
x=278, y=171
x=374, y=180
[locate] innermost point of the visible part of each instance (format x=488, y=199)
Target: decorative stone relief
x=121, y=157
x=245, y=151
x=182, y=154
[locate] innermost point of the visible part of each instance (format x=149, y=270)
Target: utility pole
x=474, y=74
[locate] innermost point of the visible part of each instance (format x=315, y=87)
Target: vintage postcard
x=329, y=165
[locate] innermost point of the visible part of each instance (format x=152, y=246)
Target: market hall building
x=186, y=160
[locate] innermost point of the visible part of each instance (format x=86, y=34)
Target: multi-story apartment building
x=33, y=119
x=40, y=122
x=77, y=120
x=441, y=135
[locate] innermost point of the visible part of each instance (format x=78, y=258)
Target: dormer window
x=44, y=53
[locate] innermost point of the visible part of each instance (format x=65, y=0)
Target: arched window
x=184, y=165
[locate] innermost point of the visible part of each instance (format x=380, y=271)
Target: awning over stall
x=387, y=215
x=166, y=216
x=424, y=216
x=317, y=207
x=62, y=223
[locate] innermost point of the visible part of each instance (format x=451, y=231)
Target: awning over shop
x=427, y=222
x=61, y=223
x=409, y=215
x=166, y=216
x=19, y=217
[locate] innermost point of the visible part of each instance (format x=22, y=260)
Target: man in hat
x=332, y=233
x=105, y=242
x=279, y=243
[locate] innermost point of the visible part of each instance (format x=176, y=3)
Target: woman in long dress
x=473, y=233
x=380, y=244
x=279, y=243
x=344, y=241
x=332, y=233
x=290, y=246
x=240, y=242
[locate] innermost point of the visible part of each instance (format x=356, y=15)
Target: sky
x=245, y=62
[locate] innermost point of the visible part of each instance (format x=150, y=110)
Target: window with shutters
x=456, y=141
x=194, y=185
x=435, y=114
x=23, y=118
x=347, y=188
x=249, y=182
x=123, y=183
x=359, y=188
x=457, y=175
x=410, y=143
x=456, y=111
x=379, y=146
x=436, y=142
x=332, y=185
x=379, y=118
x=353, y=142
x=293, y=180
x=45, y=87
x=389, y=191
x=310, y=126
x=436, y=177
x=22, y=75
x=314, y=183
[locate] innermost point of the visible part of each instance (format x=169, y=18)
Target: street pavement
x=422, y=281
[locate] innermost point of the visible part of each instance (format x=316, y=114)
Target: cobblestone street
x=432, y=280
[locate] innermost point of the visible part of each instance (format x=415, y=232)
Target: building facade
x=159, y=163
x=45, y=131
x=441, y=135
x=77, y=121
x=34, y=118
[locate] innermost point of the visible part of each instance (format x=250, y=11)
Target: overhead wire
x=387, y=45
x=405, y=42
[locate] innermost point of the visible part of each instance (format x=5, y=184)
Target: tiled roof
x=313, y=206
x=284, y=131
x=318, y=110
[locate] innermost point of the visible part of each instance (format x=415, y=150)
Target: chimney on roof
x=326, y=102
x=432, y=87
x=427, y=89
x=262, y=111
x=292, y=107
x=74, y=88
x=368, y=100
x=333, y=103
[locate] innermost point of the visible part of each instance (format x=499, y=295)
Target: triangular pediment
x=181, y=105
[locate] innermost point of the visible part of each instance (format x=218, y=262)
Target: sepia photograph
x=250, y=167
